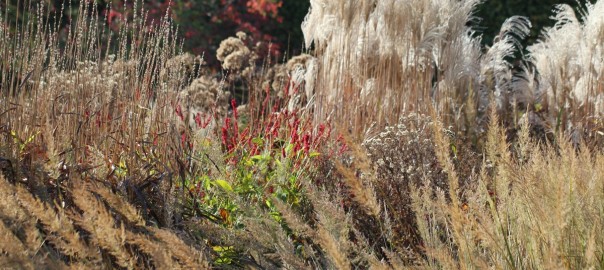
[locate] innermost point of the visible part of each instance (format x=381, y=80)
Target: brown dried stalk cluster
x=403, y=156
x=92, y=227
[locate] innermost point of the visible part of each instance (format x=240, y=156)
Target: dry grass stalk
x=361, y=194
x=187, y=256
x=360, y=178
x=97, y=221
x=11, y=245
x=379, y=59
x=538, y=211
x=271, y=246
x=569, y=64
x=333, y=248
x=118, y=204
x=293, y=220
x=158, y=253
x=333, y=228
x=59, y=228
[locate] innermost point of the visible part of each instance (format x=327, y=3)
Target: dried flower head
x=403, y=155
x=179, y=65
x=293, y=80
x=234, y=54
x=204, y=99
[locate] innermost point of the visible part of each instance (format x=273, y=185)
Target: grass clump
x=539, y=211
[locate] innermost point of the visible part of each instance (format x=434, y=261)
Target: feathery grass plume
x=332, y=229
x=12, y=249
x=156, y=252
x=275, y=247
x=332, y=246
x=10, y=210
x=10, y=244
x=496, y=76
x=58, y=227
x=97, y=221
x=294, y=221
x=367, y=253
x=537, y=212
x=380, y=58
x=332, y=233
x=186, y=255
x=363, y=193
x=569, y=62
x=439, y=213
x=118, y=204
x=22, y=242
x=17, y=219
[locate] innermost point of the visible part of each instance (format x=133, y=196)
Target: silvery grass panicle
x=496, y=78
x=569, y=60
x=380, y=58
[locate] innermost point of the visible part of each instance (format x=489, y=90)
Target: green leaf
x=224, y=185
x=249, y=162
x=314, y=154
x=289, y=148
x=31, y=138
x=257, y=157
x=454, y=149
x=206, y=182
x=222, y=248
x=258, y=141
x=261, y=158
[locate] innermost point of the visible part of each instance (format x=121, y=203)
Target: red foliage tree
x=205, y=23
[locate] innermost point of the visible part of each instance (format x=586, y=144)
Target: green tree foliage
x=493, y=13
x=289, y=32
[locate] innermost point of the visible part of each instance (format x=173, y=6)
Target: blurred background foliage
x=493, y=13
x=204, y=23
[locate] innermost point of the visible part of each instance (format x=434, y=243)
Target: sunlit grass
x=398, y=142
